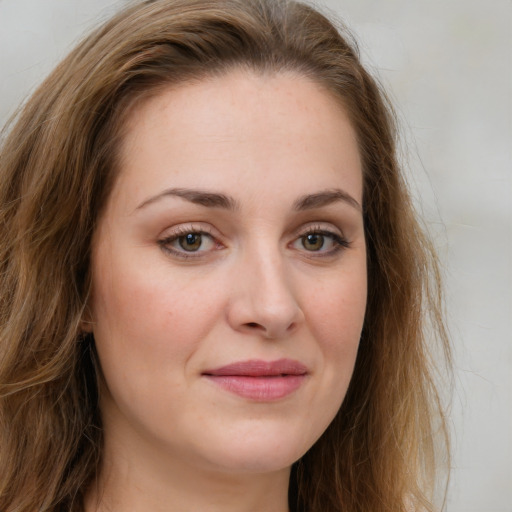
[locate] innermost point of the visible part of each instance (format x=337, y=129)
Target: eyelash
x=180, y=232
x=338, y=241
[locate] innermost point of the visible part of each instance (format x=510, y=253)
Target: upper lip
x=260, y=368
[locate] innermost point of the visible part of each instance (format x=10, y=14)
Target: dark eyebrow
x=201, y=197
x=324, y=198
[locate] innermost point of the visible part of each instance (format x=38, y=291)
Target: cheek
x=146, y=318
x=337, y=310
x=335, y=314
x=149, y=327
x=336, y=318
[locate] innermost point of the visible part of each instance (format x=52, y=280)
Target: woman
x=214, y=289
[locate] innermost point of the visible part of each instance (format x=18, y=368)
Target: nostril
x=253, y=325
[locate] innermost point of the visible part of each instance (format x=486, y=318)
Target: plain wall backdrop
x=448, y=67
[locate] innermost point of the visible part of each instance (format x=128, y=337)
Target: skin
x=254, y=287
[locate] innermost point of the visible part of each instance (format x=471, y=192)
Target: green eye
x=313, y=241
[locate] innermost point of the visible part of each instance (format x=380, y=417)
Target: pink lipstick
x=259, y=380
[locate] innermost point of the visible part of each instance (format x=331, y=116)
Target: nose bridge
x=271, y=287
x=265, y=299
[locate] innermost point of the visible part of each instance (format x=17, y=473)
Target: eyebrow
x=325, y=198
x=218, y=200
x=200, y=197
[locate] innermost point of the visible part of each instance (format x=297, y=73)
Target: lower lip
x=259, y=389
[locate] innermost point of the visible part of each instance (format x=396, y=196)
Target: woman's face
x=229, y=274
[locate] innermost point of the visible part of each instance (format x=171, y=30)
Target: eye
x=313, y=241
x=320, y=241
x=189, y=242
x=192, y=242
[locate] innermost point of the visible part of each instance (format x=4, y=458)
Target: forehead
x=243, y=127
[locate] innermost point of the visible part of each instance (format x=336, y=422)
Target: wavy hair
x=58, y=163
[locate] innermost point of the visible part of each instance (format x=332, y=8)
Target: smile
x=258, y=380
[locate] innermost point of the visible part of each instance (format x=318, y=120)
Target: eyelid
x=335, y=234
x=317, y=227
x=338, y=239
x=169, y=236
x=185, y=228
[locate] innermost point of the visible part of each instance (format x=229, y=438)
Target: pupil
x=314, y=242
x=190, y=242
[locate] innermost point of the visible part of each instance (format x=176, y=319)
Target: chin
x=260, y=461
x=261, y=450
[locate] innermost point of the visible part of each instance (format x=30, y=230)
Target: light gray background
x=448, y=65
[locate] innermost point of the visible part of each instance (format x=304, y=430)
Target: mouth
x=258, y=380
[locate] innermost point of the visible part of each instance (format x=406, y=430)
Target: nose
x=263, y=300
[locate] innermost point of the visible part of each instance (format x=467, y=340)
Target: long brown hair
x=57, y=166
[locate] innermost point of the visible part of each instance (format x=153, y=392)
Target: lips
x=260, y=380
